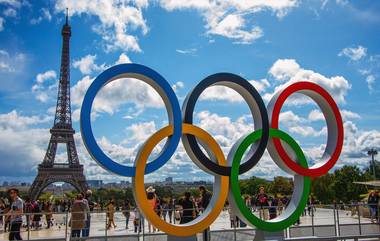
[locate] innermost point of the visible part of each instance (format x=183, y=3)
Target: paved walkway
x=98, y=226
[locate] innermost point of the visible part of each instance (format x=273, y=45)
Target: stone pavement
x=98, y=226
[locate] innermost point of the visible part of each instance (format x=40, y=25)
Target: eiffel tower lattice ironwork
x=62, y=132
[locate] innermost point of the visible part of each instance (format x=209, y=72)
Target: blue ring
x=85, y=119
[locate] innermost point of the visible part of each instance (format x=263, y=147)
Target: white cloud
x=316, y=115
x=337, y=86
x=288, y=118
x=123, y=59
x=115, y=94
x=353, y=53
x=45, y=14
x=119, y=19
x=11, y=63
x=231, y=27
x=191, y=51
x=45, y=86
x=370, y=81
x=13, y=3
x=283, y=69
x=231, y=19
x=215, y=93
x=42, y=77
x=87, y=65
x=349, y=115
x=10, y=12
x=178, y=85
x=308, y=131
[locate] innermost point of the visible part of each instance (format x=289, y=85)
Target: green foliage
x=344, y=187
x=251, y=186
x=323, y=188
x=281, y=185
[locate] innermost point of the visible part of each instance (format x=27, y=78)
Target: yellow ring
x=217, y=202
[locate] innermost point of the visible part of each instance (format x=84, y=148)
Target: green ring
x=270, y=226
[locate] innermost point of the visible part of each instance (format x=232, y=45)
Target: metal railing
x=320, y=222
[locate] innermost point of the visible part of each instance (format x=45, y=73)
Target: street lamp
x=372, y=152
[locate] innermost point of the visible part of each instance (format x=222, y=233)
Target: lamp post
x=372, y=152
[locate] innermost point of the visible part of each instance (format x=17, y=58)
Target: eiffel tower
x=62, y=132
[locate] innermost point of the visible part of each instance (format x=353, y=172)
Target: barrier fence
x=319, y=222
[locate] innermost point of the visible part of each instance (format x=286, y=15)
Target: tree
x=344, y=187
x=323, y=188
x=281, y=185
x=251, y=186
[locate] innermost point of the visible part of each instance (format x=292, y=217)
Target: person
x=36, y=215
x=205, y=197
x=2, y=208
x=78, y=216
x=273, y=208
x=310, y=206
x=111, y=214
x=205, y=200
x=165, y=208
x=137, y=220
x=373, y=200
x=48, y=209
x=28, y=209
x=15, y=213
x=170, y=209
x=158, y=207
x=126, y=212
x=280, y=205
x=89, y=207
x=188, y=209
x=152, y=199
x=262, y=203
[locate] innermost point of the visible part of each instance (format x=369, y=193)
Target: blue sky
x=271, y=44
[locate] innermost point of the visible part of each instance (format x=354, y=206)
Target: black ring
x=249, y=93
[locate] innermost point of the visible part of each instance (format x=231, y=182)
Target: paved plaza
x=98, y=225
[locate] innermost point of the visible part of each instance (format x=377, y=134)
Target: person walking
x=48, y=209
x=262, y=203
x=89, y=208
x=15, y=213
x=127, y=212
x=373, y=200
x=152, y=199
x=36, y=215
x=111, y=214
x=78, y=216
x=28, y=209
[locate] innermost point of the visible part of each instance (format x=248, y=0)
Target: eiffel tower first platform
x=62, y=132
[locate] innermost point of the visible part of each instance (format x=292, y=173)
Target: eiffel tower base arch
x=47, y=176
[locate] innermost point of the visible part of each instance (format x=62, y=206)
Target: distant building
x=169, y=180
x=95, y=183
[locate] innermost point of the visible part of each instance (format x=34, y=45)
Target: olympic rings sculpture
x=282, y=148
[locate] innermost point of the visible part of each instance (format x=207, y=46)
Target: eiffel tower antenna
x=61, y=132
x=67, y=16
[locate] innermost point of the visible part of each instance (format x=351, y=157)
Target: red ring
x=311, y=172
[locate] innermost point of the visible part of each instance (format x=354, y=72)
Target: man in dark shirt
x=188, y=208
